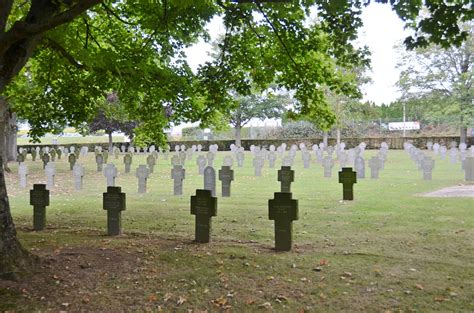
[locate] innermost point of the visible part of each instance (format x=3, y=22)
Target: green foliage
x=262, y=106
x=437, y=83
x=136, y=49
x=299, y=129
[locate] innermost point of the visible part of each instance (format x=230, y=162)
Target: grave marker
x=72, y=160
x=240, y=158
x=20, y=158
x=151, y=161
x=78, y=172
x=127, y=160
x=469, y=169
x=204, y=207
x=271, y=158
x=50, y=172
x=258, y=164
x=52, y=153
x=175, y=160
x=375, y=164
x=99, y=159
x=306, y=156
x=286, y=176
x=142, y=174
x=226, y=176
x=39, y=199
x=360, y=167
x=427, y=168
x=178, y=174
x=110, y=173
x=228, y=161
x=283, y=210
x=114, y=202
x=210, y=180
x=23, y=174
x=347, y=177
x=210, y=158
x=201, y=163
x=328, y=164
x=45, y=158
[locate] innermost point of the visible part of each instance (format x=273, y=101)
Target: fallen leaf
x=221, y=301
x=281, y=298
x=323, y=262
x=181, y=300
x=152, y=298
x=266, y=305
x=440, y=299
x=167, y=296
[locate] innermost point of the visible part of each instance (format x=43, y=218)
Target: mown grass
x=390, y=249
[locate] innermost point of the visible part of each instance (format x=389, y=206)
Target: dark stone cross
x=347, y=177
x=52, y=153
x=286, y=176
x=151, y=162
x=99, y=159
x=72, y=160
x=77, y=153
x=20, y=158
x=226, y=176
x=127, y=160
x=283, y=210
x=105, y=155
x=39, y=199
x=45, y=159
x=204, y=207
x=114, y=202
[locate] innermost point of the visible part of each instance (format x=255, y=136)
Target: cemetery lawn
x=388, y=250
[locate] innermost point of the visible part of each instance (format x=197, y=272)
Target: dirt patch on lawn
x=454, y=191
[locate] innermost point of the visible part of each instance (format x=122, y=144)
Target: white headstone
x=78, y=174
x=142, y=174
x=50, y=171
x=22, y=174
x=110, y=173
x=210, y=180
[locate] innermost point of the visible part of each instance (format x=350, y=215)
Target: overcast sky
x=382, y=30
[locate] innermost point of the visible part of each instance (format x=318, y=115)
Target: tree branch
x=287, y=51
x=5, y=9
x=22, y=29
x=111, y=12
x=64, y=53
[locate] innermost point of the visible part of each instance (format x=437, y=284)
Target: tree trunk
x=13, y=258
x=463, y=135
x=111, y=145
x=11, y=136
x=338, y=136
x=325, y=139
x=238, y=135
